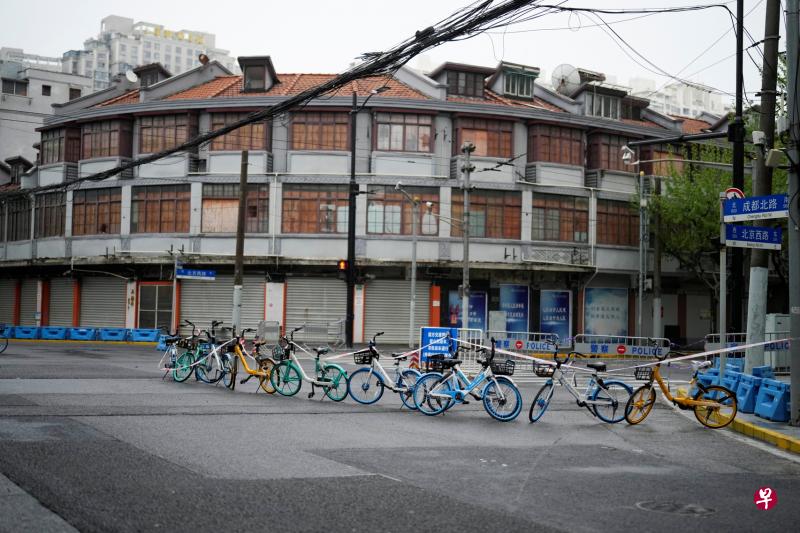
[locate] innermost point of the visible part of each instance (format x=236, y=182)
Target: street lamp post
x=413, y=302
x=467, y=148
x=351, y=217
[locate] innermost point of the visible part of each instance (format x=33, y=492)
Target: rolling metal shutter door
x=386, y=309
x=7, y=287
x=315, y=301
x=204, y=301
x=103, y=302
x=61, y=302
x=27, y=303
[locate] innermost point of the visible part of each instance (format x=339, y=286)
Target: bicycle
x=237, y=353
x=183, y=364
x=209, y=366
x=366, y=385
x=435, y=392
x=714, y=406
x=288, y=375
x=603, y=399
x=3, y=337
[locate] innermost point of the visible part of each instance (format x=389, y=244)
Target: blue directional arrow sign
x=756, y=208
x=191, y=273
x=750, y=237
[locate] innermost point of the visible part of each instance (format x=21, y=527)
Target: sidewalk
x=779, y=434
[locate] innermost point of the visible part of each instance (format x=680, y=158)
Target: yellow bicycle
x=238, y=354
x=714, y=406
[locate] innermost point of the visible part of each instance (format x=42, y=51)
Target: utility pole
x=236, y=318
x=762, y=186
x=736, y=135
x=413, y=301
x=643, y=238
x=467, y=148
x=792, y=43
x=657, y=322
x=351, y=229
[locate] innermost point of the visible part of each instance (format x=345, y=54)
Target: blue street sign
x=756, y=208
x=436, y=338
x=190, y=273
x=751, y=237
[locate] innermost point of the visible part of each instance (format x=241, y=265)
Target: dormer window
x=258, y=74
x=602, y=105
x=465, y=83
x=518, y=84
x=255, y=78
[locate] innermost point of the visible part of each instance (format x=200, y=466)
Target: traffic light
x=341, y=268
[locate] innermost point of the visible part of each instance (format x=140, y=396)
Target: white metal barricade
x=621, y=346
x=731, y=340
x=776, y=354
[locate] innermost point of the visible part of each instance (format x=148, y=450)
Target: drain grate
x=684, y=509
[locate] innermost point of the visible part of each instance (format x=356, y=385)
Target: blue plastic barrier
x=707, y=378
x=747, y=392
x=82, y=334
x=763, y=372
x=7, y=332
x=162, y=344
x=772, y=402
x=26, y=332
x=144, y=335
x=113, y=334
x=53, y=333
x=731, y=380
x=731, y=363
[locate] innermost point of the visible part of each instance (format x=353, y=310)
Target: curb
x=63, y=341
x=754, y=431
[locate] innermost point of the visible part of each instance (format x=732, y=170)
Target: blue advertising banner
x=514, y=301
x=431, y=335
x=758, y=207
x=478, y=305
x=605, y=312
x=555, y=313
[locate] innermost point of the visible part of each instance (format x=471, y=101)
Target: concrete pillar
x=125, y=210
x=195, y=208
x=527, y=209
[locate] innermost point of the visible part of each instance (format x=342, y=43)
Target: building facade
x=554, y=241
x=680, y=99
x=36, y=61
x=123, y=45
x=28, y=94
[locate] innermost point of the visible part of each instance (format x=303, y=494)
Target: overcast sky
x=325, y=36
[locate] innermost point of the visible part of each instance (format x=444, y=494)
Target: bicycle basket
x=543, y=370
x=503, y=369
x=279, y=354
x=643, y=373
x=362, y=358
x=434, y=363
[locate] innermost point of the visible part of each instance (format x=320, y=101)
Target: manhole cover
x=685, y=509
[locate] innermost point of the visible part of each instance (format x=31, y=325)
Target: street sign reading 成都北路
x=752, y=237
x=757, y=208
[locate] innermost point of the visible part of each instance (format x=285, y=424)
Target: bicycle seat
x=399, y=356
x=322, y=350
x=697, y=365
x=450, y=363
x=597, y=365
x=171, y=340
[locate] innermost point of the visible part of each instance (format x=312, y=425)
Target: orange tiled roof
x=492, y=97
x=130, y=97
x=692, y=125
x=293, y=84
x=642, y=123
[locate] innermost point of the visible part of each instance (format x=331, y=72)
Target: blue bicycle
x=366, y=384
x=437, y=391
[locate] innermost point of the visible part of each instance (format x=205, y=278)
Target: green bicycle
x=288, y=375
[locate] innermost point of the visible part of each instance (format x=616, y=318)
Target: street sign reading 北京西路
x=752, y=237
x=191, y=273
x=757, y=208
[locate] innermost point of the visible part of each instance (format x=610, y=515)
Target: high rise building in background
x=123, y=44
x=36, y=61
x=679, y=98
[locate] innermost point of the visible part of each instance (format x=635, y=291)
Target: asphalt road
x=91, y=438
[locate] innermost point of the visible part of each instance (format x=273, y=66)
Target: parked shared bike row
x=442, y=383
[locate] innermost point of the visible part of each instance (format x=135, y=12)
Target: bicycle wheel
x=427, y=384
x=230, y=367
x=266, y=366
x=406, y=382
x=540, y=402
x=720, y=415
x=640, y=404
x=365, y=386
x=3, y=343
x=337, y=390
x=504, y=407
x=286, y=379
x=614, y=398
x=183, y=368
x=209, y=370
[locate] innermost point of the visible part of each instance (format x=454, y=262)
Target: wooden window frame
x=306, y=209
x=499, y=136
x=160, y=209
x=555, y=144
x=253, y=136
x=462, y=83
x=162, y=132
x=96, y=209
x=19, y=219
x=382, y=196
x=558, y=218
x=502, y=214
x=604, y=152
x=617, y=223
x=227, y=195
x=141, y=284
x=60, y=145
x=49, y=215
x=403, y=122
x=320, y=130
x=107, y=138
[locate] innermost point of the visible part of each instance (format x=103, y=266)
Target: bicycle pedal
x=310, y=395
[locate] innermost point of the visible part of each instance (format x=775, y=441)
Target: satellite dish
x=131, y=76
x=566, y=79
x=203, y=59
